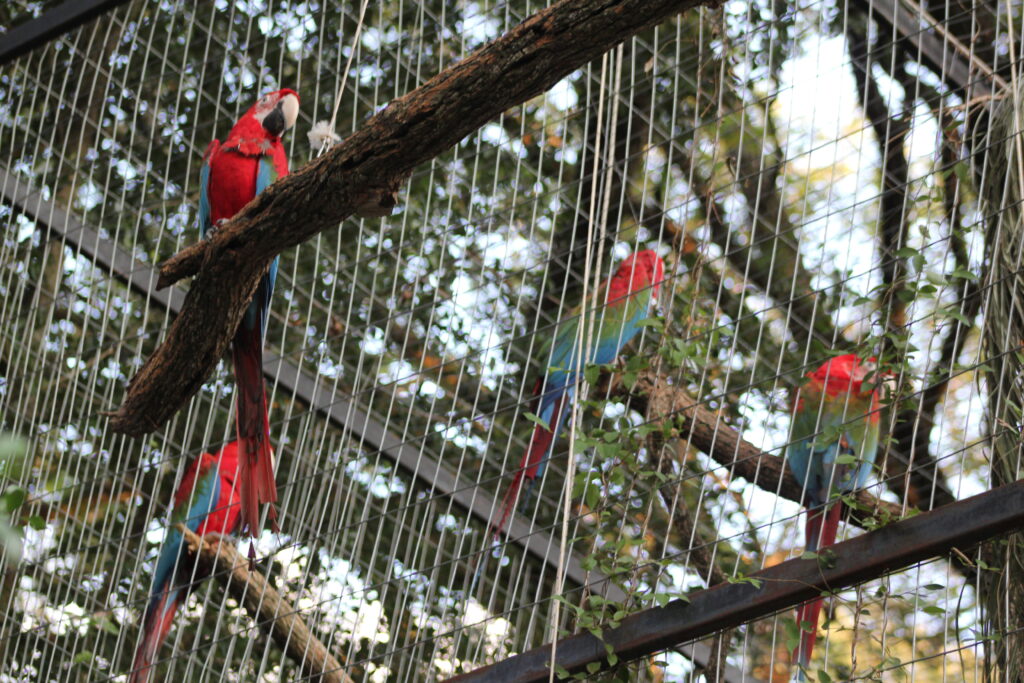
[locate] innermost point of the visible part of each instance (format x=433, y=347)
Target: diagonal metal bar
x=320, y=397
x=958, y=525
x=947, y=60
x=56, y=22
x=142, y=277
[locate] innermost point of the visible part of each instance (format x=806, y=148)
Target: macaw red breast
x=224, y=517
x=637, y=272
x=841, y=375
x=235, y=163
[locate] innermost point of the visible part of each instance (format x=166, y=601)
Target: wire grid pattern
x=708, y=139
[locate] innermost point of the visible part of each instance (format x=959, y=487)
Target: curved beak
x=282, y=116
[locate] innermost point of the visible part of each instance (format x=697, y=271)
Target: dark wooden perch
x=706, y=431
x=266, y=606
x=360, y=176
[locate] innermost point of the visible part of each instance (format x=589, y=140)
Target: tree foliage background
x=807, y=179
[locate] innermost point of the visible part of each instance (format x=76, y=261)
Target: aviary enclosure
x=796, y=236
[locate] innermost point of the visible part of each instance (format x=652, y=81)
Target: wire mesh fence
x=807, y=174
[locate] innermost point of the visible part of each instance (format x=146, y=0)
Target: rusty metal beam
x=53, y=24
x=959, y=525
x=320, y=397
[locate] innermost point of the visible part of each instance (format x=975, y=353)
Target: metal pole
x=962, y=524
x=55, y=23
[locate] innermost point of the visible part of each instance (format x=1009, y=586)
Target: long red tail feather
x=822, y=527
x=158, y=620
x=540, y=444
x=255, y=456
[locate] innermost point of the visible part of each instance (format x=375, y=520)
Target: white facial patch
x=264, y=106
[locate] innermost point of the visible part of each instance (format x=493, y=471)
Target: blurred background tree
x=803, y=172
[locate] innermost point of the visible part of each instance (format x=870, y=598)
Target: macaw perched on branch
x=233, y=173
x=627, y=298
x=207, y=501
x=835, y=440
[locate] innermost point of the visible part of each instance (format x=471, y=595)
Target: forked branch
x=360, y=176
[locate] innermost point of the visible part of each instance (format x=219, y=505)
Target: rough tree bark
x=1000, y=169
x=266, y=606
x=361, y=176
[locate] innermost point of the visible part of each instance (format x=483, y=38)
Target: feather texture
x=626, y=299
x=835, y=432
x=234, y=172
x=206, y=501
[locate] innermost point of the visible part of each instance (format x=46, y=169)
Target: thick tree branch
x=773, y=260
x=910, y=469
x=768, y=257
x=912, y=434
x=266, y=606
x=890, y=133
x=360, y=176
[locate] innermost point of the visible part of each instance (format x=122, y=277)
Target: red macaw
x=835, y=432
x=627, y=296
x=233, y=173
x=207, y=501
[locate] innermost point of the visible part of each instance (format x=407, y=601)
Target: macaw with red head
x=208, y=502
x=233, y=173
x=835, y=432
x=626, y=299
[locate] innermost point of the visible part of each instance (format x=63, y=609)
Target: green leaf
x=823, y=676
x=535, y=420
x=827, y=558
x=83, y=657
x=37, y=522
x=964, y=274
x=846, y=459
x=792, y=634
x=13, y=498
x=934, y=610
x=756, y=583
x=593, y=667
x=654, y=323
